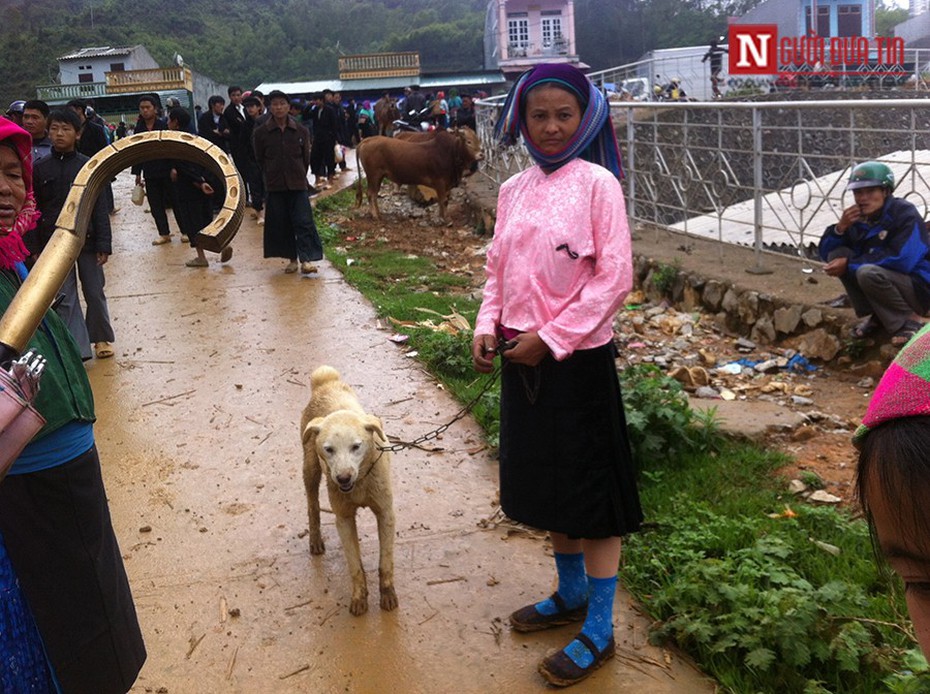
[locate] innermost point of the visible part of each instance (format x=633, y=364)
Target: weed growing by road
x=767, y=593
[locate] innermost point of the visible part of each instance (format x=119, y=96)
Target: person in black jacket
x=235, y=120
x=194, y=195
x=53, y=178
x=92, y=138
x=251, y=173
x=323, y=153
x=213, y=124
x=155, y=174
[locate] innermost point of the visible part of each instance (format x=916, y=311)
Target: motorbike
x=669, y=91
x=415, y=121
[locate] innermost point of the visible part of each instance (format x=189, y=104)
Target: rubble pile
x=696, y=351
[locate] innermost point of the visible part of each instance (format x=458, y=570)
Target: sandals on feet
x=528, y=618
x=907, y=331
x=103, y=350
x=560, y=670
x=864, y=328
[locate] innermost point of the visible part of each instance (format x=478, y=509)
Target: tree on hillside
x=887, y=16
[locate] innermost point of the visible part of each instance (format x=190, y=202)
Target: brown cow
x=469, y=135
x=386, y=112
x=439, y=163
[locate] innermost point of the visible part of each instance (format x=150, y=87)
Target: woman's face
x=907, y=553
x=12, y=188
x=552, y=117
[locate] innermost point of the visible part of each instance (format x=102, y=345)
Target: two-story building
x=521, y=33
x=826, y=18
x=114, y=78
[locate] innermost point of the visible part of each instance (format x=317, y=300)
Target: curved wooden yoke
x=34, y=298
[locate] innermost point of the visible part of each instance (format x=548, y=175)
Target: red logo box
x=753, y=49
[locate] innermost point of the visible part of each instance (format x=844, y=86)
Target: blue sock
x=598, y=625
x=573, y=583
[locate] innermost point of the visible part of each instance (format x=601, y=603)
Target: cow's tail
x=358, y=178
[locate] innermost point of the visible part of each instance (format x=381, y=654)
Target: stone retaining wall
x=817, y=332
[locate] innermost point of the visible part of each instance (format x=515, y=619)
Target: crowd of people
x=557, y=271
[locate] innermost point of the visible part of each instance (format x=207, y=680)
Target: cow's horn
x=34, y=298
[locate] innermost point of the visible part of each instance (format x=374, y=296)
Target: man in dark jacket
x=465, y=114
x=251, y=173
x=213, y=124
x=325, y=128
x=282, y=150
x=93, y=138
x=235, y=120
x=155, y=174
x=35, y=122
x=879, y=250
x=53, y=178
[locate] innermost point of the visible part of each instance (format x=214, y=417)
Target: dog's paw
x=358, y=606
x=388, y=599
x=316, y=545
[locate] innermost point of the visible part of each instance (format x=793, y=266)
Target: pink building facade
x=522, y=33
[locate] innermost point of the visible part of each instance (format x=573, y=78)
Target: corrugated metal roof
x=381, y=83
x=98, y=51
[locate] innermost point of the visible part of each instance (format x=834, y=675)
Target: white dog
x=342, y=441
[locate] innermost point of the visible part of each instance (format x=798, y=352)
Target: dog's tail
x=323, y=374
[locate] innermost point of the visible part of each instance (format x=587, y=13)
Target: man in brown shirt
x=282, y=150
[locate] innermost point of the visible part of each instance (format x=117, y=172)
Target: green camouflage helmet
x=871, y=174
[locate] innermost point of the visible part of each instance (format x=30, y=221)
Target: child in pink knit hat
x=894, y=474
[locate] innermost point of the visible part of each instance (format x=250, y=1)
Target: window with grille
x=518, y=32
x=551, y=31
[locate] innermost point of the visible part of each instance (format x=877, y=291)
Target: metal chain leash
x=401, y=445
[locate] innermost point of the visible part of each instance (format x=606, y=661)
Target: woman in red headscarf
x=23, y=666
x=54, y=521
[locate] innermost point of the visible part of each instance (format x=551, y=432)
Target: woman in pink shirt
x=557, y=271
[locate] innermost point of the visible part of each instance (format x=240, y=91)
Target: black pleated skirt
x=565, y=460
x=58, y=533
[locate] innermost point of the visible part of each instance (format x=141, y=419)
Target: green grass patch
x=767, y=593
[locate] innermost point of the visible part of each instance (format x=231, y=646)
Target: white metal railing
x=766, y=174
x=695, y=75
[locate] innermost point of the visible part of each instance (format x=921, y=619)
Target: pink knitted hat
x=904, y=390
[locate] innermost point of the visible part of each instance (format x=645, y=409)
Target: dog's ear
x=373, y=426
x=312, y=429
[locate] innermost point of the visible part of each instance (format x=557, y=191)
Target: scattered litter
x=826, y=547
x=823, y=497
x=399, y=338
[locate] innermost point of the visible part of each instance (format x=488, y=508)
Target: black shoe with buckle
x=528, y=619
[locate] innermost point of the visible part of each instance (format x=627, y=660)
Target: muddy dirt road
x=198, y=417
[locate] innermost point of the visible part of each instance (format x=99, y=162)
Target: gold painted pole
x=22, y=318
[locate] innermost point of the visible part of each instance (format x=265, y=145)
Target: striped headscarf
x=12, y=249
x=594, y=141
x=904, y=390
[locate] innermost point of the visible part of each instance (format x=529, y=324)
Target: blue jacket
x=897, y=240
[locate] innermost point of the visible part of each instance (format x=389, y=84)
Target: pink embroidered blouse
x=561, y=259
